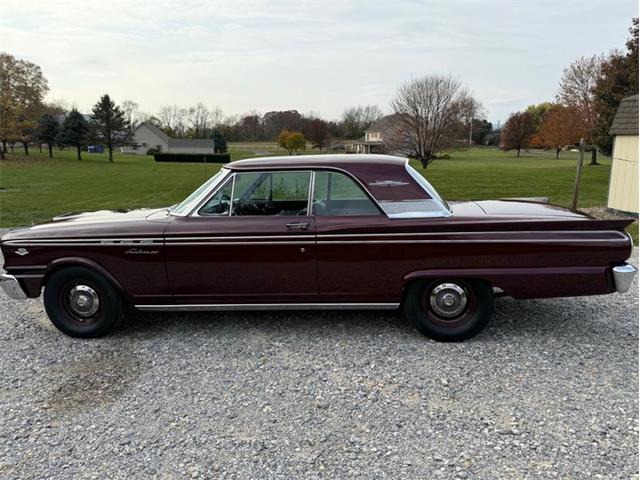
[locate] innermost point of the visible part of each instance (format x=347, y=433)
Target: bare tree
x=429, y=112
x=576, y=91
x=355, y=120
x=199, y=117
x=57, y=107
x=217, y=117
x=173, y=119
x=130, y=109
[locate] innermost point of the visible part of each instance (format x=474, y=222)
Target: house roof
x=626, y=120
x=384, y=123
x=190, y=143
x=155, y=130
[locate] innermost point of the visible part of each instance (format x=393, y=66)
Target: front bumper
x=623, y=277
x=12, y=287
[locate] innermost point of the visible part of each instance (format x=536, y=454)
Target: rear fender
x=543, y=282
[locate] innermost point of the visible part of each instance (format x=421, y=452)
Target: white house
x=147, y=136
x=377, y=138
x=623, y=183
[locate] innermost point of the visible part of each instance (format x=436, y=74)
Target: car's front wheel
x=449, y=310
x=82, y=303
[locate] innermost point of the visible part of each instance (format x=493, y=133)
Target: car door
x=251, y=241
x=351, y=268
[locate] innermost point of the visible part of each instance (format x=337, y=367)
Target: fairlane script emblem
x=140, y=251
x=22, y=252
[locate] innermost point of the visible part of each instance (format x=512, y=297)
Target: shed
x=623, y=183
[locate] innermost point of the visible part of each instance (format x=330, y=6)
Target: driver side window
x=220, y=202
x=261, y=193
x=271, y=193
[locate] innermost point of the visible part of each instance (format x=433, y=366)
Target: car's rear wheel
x=82, y=303
x=449, y=310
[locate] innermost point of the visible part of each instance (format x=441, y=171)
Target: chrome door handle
x=297, y=226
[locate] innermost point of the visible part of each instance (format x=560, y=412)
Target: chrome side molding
x=623, y=277
x=227, y=307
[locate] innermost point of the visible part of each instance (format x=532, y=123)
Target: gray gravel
x=549, y=390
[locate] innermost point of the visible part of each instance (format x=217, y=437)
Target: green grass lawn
x=35, y=188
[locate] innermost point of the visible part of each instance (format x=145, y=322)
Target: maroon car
x=315, y=232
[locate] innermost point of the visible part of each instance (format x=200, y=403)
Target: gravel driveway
x=549, y=390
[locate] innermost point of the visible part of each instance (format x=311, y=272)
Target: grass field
x=35, y=188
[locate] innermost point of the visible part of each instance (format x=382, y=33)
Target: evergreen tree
x=109, y=125
x=219, y=143
x=74, y=131
x=47, y=131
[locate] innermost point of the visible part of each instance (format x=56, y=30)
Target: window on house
x=337, y=194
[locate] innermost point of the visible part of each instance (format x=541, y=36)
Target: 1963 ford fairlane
x=315, y=232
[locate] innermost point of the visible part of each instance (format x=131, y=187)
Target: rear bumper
x=623, y=277
x=12, y=287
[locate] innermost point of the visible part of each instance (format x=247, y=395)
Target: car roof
x=342, y=161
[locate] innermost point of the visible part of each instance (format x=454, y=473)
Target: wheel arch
x=60, y=263
x=431, y=275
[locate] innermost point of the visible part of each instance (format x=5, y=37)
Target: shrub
x=153, y=151
x=193, y=157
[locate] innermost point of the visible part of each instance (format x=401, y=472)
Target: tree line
x=26, y=118
x=586, y=101
x=430, y=115
x=199, y=121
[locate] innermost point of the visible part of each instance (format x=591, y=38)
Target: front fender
x=59, y=263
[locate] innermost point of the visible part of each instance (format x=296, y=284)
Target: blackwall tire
x=449, y=310
x=82, y=303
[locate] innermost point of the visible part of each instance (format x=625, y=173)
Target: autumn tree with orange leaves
x=561, y=126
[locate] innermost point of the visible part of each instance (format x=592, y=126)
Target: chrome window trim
x=195, y=202
x=214, y=191
x=357, y=182
x=325, y=168
x=423, y=183
x=234, y=174
x=312, y=192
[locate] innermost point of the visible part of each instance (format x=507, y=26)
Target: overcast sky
x=311, y=56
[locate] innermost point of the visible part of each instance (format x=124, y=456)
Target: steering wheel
x=218, y=208
x=319, y=206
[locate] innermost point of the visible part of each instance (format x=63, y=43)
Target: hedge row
x=193, y=157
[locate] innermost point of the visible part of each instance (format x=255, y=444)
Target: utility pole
x=576, y=189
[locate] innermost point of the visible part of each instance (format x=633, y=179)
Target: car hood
x=103, y=223
x=513, y=208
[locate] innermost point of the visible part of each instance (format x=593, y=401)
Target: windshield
x=189, y=203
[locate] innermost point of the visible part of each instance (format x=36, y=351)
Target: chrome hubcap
x=448, y=300
x=84, y=301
